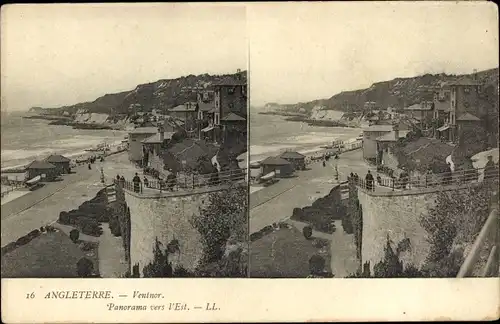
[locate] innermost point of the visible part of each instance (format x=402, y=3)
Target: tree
x=74, y=235
x=159, y=267
x=455, y=220
x=317, y=264
x=84, y=268
x=307, y=231
x=390, y=266
x=224, y=215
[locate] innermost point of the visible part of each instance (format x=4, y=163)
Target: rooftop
x=274, y=160
x=206, y=106
x=426, y=148
x=468, y=117
x=292, y=155
x=40, y=165
x=233, y=117
x=188, y=107
x=56, y=158
x=418, y=107
x=155, y=139
x=144, y=130
x=378, y=128
x=391, y=137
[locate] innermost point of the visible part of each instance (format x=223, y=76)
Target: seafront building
x=281, y=167
x=135, y=138
x=62, y=163
x=295, y=158
x=459, y=102
x=43, y=169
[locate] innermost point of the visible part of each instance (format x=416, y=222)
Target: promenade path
x=42, y=206
x=276, y=202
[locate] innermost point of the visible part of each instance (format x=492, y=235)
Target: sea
x=271, y=135
x=24, y=140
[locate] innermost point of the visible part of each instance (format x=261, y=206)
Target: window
x=230, y=90
x=466, y=90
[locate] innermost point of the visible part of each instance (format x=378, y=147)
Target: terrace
x=184, y=184
x=428, y=182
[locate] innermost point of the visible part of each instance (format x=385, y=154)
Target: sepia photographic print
x=374, y=148
x=123, y=142
x=216, y=147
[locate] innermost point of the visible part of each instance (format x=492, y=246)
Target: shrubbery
x=84, y=268
x=74, y=235
x=88, y=216
x=307, y=231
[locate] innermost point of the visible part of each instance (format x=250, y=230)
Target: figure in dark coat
x=137, y=183
x=369, y=180
x=489, y=169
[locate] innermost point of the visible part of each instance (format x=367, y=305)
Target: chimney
x=395, y=128
x=238, y=74
x=162, y=134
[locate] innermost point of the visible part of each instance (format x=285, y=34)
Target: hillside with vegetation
x=162, y=94
x=397, y=93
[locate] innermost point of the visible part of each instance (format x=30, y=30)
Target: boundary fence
x=486, y=241
x=186, y=183
x=429, y=180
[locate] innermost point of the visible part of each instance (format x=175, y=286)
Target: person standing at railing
x=369, y=181
x=137, y=183
x=146, y=182
x=447, y=176
x=379, y=179
x=171, y=181
x=489, y=169
x=162, y=184
x=122, y=181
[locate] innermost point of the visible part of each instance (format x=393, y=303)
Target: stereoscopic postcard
x=249, y=162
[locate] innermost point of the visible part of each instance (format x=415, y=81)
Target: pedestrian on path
x=146, y=182
x=137, y=183
x=324, y=163
x=369, y=181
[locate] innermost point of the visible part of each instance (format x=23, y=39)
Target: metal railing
x=428, y=180
x=185, y=183
x=488, y=238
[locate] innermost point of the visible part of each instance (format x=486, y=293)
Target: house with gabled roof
x=44, y=169
x=295, y=158
x=62, y=163
x=281, y=167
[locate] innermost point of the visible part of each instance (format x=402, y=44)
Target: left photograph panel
x=124, y=141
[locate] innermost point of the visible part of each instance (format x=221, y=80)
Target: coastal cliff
x=397, y=93
x=161, y=95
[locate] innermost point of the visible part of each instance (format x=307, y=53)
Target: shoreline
x=74, y=156
x=308, y=152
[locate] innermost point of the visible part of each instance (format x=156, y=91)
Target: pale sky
x=56, y=55
x=305, y=51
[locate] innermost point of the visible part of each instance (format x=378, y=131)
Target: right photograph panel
x=373, y=140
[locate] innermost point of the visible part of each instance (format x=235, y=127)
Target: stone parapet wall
x=396, y=217
x=166, y=218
